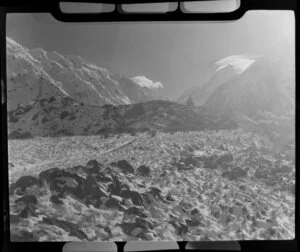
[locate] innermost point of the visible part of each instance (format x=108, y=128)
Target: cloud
x=145, y=82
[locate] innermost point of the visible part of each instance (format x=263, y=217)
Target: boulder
x=28, y=211
x=155, y=191
x=135, y=196
x=136, y=231
x=124, y=166
x=93, y=166
x=112, y=203
x=195, y=212
x=92, y=188
x=27, y=200
x=62, y=181
x=143, y=170
x=55, y=199
x=25, y=182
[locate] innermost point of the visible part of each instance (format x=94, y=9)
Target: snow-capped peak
x=239, y=62
x=145, y=82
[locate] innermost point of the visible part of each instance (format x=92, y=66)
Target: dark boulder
x=143, y=170
x=63, y=181
x=28, y=211
x=116, y=186
x=93, y=166
x=55, y=199
x=91, y=187
x=135, y=196
x=25, y=182
x=124, y=166
x=112, y=203
x=27, y=200
x=155, y=192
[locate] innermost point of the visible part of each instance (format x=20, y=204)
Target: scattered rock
x=143, y=170
x=124, y=166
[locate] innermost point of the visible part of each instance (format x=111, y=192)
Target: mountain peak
x=238, y=62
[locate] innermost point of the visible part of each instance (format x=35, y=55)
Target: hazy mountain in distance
x=34, y=74
x=267, y=85
x=224, y=70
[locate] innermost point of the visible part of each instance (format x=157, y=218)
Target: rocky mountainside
x=37, y=74
x=224, y=71
x=52, y=117
x=266, y=86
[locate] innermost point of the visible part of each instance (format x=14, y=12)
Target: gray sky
x=179, y=55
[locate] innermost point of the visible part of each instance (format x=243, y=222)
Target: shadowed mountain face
x=51, y=117
x=37, y=74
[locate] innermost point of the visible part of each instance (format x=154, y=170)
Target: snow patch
x=239, y=62
x=145, y=82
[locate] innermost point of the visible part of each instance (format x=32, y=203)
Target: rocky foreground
x=224, y=185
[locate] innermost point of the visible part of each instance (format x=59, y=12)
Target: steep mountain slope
x=34, y=74
x=225, y=70
x=27, y=80
x=267, y=85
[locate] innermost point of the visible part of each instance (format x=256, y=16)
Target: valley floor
x=208, y=185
